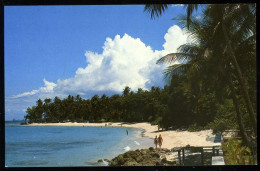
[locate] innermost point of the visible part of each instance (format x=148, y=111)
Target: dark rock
x=106, y=160
x=156, y=155
x=139, y=159
x=100, y=161
x=157, y=163
x=151, y=148
x=143, y=157
x=130, y=163
x=164, y=160
x=143, y=152
x=171, y=163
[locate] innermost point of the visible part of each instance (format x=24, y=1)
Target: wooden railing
x=201, y=149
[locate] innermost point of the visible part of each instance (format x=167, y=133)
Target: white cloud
x=48, y=87
x=173, y=39
x=26, y=94
x=125, y=61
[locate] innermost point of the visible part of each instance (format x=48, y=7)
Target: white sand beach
x=171, y=138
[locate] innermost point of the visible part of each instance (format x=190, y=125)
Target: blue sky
x=59, y=50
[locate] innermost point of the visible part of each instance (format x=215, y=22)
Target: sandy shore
x=171, y=138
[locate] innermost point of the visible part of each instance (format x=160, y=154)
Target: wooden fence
x=201, y=149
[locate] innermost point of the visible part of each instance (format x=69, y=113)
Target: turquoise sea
x=40, y=146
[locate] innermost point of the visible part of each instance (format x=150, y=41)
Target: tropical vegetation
x=221, y=57
x=212, y=80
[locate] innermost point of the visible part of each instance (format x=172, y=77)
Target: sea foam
x=127, y=148
x=105, y=162
x=137, y=143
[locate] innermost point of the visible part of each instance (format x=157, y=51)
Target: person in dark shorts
x=156, y=141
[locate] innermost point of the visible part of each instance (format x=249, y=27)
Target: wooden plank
x=218, y=160
x=179, y=156
x=183, y=156
x=202, y=157
x=175, y=149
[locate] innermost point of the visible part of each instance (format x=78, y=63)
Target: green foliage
x=194, y=127
x=220, y=125
x=236, y=154
x=176, y=106
x=211, y=63
x=198, y=81
x=225, y=118
x=157, y=121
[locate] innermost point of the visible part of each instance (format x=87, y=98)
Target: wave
x=137, y=143
x=127, y=148
x=105, y=163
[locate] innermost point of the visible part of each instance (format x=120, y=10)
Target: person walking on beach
x=126, y=132
x=156, y=141
x=160, y=140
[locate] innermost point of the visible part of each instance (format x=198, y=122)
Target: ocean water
x=40, y=146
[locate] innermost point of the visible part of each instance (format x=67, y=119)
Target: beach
x=171, y=138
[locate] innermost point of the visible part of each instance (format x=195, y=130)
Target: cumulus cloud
x=173, y=39
x=49, y=86
x=125, y=61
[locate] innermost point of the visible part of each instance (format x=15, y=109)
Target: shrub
x=194, y=127
x=220, y=125
x=236, y=154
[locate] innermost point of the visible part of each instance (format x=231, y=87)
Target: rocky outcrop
x=143, y=157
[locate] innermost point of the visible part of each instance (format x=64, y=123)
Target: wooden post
x=202, y=156
x=183, y=156
x=179, y=156
x=213, y=150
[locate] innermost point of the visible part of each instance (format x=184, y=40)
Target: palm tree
x=224, y=16
x=126, y=91
x=205, y=61
x=156, y=10
x=95, y=100
x=46, y=107
x=39, y=110
x=236, y=23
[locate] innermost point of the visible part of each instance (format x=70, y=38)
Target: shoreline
x=171, y=138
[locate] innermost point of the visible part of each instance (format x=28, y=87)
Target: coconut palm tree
x=126, y=91
x=156, y=10
x=205, y=60
x=237, y=20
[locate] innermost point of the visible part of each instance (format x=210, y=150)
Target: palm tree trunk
x=241, y=81
x=239, y=117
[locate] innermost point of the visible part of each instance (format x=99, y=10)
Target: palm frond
x=155, y=10
x=190, y=9
x=176, y=69
x=174, y=57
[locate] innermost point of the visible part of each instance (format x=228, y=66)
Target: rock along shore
x=143, y=157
